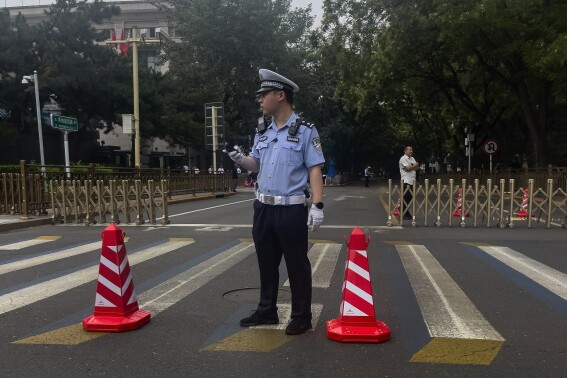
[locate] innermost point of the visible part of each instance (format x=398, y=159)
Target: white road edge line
x=44, y=290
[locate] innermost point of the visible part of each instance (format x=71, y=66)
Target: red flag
x=126, y=47
x=113, y=38
x=121, y=46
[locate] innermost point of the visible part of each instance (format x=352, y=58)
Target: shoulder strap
x=295, y=126
x=263, y=123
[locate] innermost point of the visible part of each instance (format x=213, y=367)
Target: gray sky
x=316, y=8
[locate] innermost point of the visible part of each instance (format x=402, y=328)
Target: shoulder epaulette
x=307, y=124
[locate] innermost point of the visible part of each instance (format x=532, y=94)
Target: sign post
x=490, y=147
x=65, y=124
x=469, y=147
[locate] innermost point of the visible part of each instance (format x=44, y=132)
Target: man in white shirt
x=367, y=175
x=408, y=168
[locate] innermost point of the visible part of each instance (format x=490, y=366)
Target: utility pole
x=134, y=40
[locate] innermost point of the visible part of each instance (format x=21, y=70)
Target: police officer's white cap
x=272, y=80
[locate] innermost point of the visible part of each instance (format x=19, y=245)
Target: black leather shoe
x=257, y=319
x=298, y=326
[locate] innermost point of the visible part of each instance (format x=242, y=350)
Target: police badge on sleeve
x=317, y=143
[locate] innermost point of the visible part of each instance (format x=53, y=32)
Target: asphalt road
x=459, y=302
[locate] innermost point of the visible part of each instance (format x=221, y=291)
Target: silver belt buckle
x=269, y=200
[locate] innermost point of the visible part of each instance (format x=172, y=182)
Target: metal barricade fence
x=27, y=192
x=501, y=203
x=121, y=200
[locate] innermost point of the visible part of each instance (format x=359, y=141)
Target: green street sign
x=64, y=123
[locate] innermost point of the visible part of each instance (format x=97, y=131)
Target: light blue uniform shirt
x=285, y=160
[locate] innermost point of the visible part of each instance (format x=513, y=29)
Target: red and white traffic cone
x=246, y=182
x=116, y=305
x=524, y=206
x=457, y=213
x=396, y=211
x=357, y=321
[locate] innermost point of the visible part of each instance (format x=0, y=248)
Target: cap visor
x=266, y=89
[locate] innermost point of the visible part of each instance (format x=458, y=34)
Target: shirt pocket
x=261, y=147
x=292, y=154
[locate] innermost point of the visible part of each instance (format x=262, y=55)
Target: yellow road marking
x=458, y=351
x=182, y=240
x=70, y=335
x=251, y=340
x=48, y=237
x=319, y=241
x=399, y=242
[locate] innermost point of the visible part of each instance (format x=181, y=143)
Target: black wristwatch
x=319, y=205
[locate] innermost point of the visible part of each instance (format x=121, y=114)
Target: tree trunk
x=536, y=125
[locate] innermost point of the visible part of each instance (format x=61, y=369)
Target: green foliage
x=223, y=44
x=88, y=81
x=378, y=74
x=434, y=68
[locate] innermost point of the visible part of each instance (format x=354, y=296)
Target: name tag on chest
x=292, y=139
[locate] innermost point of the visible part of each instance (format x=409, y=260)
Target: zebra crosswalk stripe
x=28, y=243
x=173, y=290
x=457, y=327
x=34, y=293
x=323, y=258
x=49, y=257
x=551, y=279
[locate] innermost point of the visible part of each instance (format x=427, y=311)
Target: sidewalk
x=15, y=222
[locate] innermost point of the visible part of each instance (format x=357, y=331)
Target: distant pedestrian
x=367, y=175
x=408, y=168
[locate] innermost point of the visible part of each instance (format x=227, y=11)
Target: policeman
x=286, y=153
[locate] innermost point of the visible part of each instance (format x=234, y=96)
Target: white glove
x=315, y=218
x=235, y=154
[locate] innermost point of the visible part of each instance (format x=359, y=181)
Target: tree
x=87, y=79
x=224, y=43
x=435, y=67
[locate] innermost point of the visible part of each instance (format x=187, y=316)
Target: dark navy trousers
x=282, y=231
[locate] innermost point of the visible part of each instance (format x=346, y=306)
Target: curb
x=25, y=223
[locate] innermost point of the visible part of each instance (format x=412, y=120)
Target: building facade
x=115, y=147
